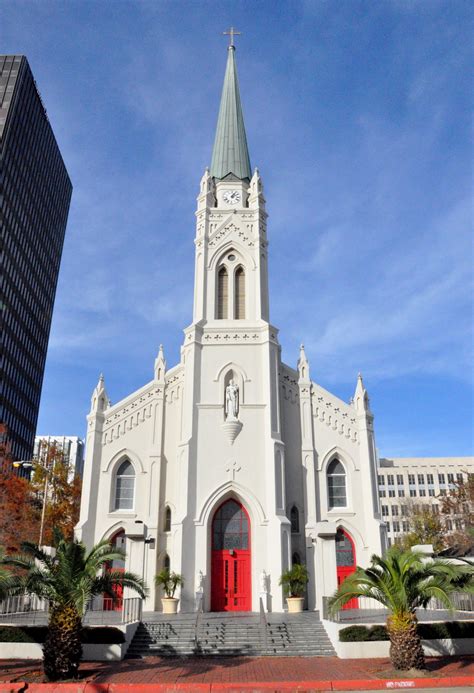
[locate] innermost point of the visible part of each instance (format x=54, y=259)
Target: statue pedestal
x=232, y=429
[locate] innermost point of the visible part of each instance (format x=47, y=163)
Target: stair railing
x=263, y=628
x=197, y=623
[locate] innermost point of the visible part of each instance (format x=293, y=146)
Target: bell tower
x=231, y=278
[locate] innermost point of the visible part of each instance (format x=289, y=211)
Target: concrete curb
x=235, y=687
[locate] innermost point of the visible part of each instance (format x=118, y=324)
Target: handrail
x=263, y=627
x=197, y=623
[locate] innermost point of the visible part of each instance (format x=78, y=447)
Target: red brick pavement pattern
x=237, y=669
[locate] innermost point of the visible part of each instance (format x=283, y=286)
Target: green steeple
x=230, y=153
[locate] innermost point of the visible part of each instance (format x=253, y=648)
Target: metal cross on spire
x=232, y=32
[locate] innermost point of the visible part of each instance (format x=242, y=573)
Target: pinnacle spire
x=230, y=153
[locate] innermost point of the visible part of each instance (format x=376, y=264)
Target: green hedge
x=90, y=636
x=427, y=631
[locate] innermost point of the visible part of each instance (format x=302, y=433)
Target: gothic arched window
x=337, y=496
x=295, y=520
x=124, y=486
x=168, y=519
x=239, y=294
x=222, y=293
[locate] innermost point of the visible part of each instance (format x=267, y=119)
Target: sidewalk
x=245, y=673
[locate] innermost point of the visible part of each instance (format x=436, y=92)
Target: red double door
x=345, y=561
x=231, y=588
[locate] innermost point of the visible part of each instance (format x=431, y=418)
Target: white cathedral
x=231, y=466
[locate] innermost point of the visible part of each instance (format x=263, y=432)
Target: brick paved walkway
x=237, y=669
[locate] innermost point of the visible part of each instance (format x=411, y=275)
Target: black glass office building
x=35, y=193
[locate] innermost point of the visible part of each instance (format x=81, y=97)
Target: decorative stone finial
x=160, y=365
x=99, y=400
x=303, y=365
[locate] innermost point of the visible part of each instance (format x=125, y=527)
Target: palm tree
x=68, y=581
x=403, y=581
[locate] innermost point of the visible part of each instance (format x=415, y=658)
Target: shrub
x=426, y=631
x=354, y=634
x=102, y=635
x=95, y=636
x=378, y=633
x=443, y=631
x=17, y=634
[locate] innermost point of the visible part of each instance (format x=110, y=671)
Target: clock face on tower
x=231, y=197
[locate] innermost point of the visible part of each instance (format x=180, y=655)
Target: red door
x=118, y=540
x=230, y=564
x=345, y=561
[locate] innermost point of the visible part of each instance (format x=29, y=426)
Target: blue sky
x=357, y=115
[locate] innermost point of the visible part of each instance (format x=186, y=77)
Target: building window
x=382, y=494
x=406, y=526
x=412, y=493
x=396, y=526
x=404, y=510
x=422, y=492
x=395, y=510
x=295, y=520
x=222, y=294
x=431, y=492
x=449, y=525
x=430, y=478
x=411, y=478
x=336, y=485
x=441, y=479
x=401, y=493
x=435, y=509
x=384, y=510
x=124, y=486
x=459, y=478
x=421, y=478
x=400, y=479
x=450, y=478
x=295, y=559
x=239, y=294
x=390, y=479
x=381, y=480
x=391, y=493
x=166, y=562
x=167, y=519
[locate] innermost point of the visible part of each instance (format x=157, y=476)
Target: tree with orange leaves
x=58, y=489
x=19, y=509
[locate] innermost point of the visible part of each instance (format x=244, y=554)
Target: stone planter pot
x=170, y=605
x=295, y=604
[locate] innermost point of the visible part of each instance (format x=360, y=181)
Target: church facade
x=231, y=465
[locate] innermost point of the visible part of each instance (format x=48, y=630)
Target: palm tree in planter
x=403, y=581
x=169, y=582
x=294, y=583
x=68, y=581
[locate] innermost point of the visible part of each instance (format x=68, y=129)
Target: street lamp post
x=29, y=465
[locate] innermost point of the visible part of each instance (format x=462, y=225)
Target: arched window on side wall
x=337, y=493
x=295, y=520
x=239, y=294
x=222, y=294
x=124, y=487
x=167, y=519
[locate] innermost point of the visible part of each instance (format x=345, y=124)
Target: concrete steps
x=227, y=635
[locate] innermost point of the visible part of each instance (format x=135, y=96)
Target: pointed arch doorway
x=345, y=561
x=231, y=588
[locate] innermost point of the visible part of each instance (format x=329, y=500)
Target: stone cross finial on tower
x=231, y=33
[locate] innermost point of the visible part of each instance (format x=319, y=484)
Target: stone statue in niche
x=232, y=401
